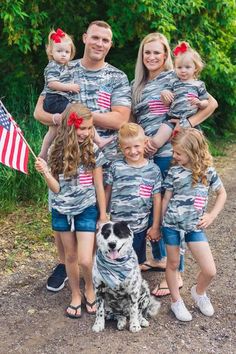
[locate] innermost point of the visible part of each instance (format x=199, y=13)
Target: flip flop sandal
x=154, y=294
x=152, y=269
x=90, y=304
x=75, y=308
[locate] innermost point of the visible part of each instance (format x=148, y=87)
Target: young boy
x=133, y=186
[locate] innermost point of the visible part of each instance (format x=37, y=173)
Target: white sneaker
x=180, y=311
x=203, y=302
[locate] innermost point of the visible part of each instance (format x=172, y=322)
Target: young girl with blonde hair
x=187, y=186
x=185, y=93
x=75, y=177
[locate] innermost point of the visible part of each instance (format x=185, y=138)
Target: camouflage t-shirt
x=100, y=90
x=150, y=112
x=57, y=72
x=78, y=192
x=183, y=91
x=187, y=203
x=132, y=192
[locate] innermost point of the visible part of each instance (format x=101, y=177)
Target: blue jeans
x=158, y=248
x=139, y=245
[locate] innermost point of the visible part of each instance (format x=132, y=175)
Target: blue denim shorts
x=86, y=221
x=172, y=237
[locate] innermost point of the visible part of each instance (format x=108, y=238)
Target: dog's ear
x=122, y=229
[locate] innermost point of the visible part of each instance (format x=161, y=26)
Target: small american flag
x=13, y=150
x=156, y=106
x=199, y=202
x=145, y=191
x=104, y=98
x=85, y=178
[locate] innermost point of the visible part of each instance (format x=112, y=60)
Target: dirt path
x=32, y=319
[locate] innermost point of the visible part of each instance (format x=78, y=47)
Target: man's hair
x=100, y=24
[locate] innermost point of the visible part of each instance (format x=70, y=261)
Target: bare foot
x=163, y=290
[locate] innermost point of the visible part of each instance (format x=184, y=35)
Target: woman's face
x=154, y=57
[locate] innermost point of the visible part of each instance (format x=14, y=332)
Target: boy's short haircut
x=130, y=130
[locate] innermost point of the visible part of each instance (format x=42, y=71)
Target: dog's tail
x=153, y=307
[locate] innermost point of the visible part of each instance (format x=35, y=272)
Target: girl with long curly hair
x=74, y=175
x=187, y=186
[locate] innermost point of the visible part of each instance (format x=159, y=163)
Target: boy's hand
x=74, y=88
x=205, y=221
x=167, y=97
x=154, y=234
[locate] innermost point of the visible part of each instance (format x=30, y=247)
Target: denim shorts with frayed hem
x=172, y=237
x=86, y=221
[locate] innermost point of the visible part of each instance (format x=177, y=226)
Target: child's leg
x=100, y=141
x=203, y=256
x=162, y=136
x=47, y=141
x=71, y=261
x=139, y=245
x=172, y=271
x=86, y=242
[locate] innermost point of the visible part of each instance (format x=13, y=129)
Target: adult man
x=105, y=91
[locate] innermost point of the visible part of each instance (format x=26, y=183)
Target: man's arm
x=45, y=117
x=112, y=120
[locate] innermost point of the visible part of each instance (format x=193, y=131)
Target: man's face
x=98, y=41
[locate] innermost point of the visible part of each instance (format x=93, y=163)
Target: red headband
x=75, y=120
x=56, y=36
x=182, y=48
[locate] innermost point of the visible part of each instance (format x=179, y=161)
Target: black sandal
x=90, y=304
x=76, y=308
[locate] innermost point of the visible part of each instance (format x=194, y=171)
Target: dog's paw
x=134, y=327
x=121, y=323
x=144, y=322
x=98, y=327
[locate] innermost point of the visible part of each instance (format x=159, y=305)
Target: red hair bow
x=182, y=48
x=75, y=120
x=56, y=36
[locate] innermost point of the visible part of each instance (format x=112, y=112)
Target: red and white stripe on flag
x=13, y=150
x=85, y=178
x=145, y=191
x=157, y=107
x=199, y=202
x=104, y=99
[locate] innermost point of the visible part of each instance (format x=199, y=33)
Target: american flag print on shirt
x=145, y=191
x=192, y=95
x=104, y=98
x=199, y=202
x=85, y=178
x=156, y=106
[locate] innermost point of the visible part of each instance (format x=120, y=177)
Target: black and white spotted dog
x=120, y=290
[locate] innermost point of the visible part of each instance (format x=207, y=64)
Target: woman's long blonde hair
x=141, y=72
x=66, y=153
x=194, y=144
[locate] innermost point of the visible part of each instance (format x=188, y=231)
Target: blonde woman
x=153, y=72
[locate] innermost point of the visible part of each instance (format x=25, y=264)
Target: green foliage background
x=208, y=25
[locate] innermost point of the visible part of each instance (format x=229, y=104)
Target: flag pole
x=12, y=120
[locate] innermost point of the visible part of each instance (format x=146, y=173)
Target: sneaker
x=203, y=302
x=180, y=311
x=57, y=279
